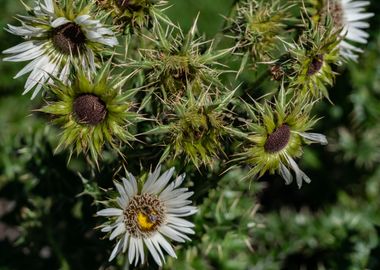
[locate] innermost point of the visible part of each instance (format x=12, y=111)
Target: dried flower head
x=195, y=129
x=259, y=27
x=177, y=61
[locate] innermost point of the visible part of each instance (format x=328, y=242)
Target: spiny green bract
x=195, y=129
x=259, y=27
x=176, y=61
x=92, y=111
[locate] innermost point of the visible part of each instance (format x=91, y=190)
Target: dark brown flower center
x=123, y=4
x=277, y=140
x=315, y=65
x=89, y=109
x=68, y=38
x=143, y=215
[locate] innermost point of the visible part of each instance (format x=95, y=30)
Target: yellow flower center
x=144, y=215
x=146, y=222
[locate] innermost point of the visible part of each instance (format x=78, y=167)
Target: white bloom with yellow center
x=55, y=38
x=351, y=16
x=150, y=216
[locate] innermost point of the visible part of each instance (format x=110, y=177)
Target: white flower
x=150, y=216
x=351, y=16
x=55, y=39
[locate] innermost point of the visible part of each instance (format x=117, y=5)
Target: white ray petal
x=132, y=250
x=125, y=242
x=59, y=21
x=140, y=247
x=165, y=244
x=153, y=251
x=300, y=175
x=110, y=212
x=173, y=234
x=119, y=230
x=179, y=221
x=157, y=186
x=285, y=173
x=116, y=250
x=22, y=47
x=315, y=137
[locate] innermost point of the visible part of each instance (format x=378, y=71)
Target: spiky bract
x=177, y=61
x=259, y=26
x=196, y=129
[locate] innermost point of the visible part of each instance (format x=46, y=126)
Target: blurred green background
x=333, y=223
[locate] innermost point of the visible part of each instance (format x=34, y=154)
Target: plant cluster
x=126, y=90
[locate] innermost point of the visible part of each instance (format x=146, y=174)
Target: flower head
x=259, y=26
x=131, y=15
x=92, y=111
x=348, y=16
x=195, y=128
x=277, y=133
x=313, y=56
x=56, y=37
x=177, y=61
x=149, y=216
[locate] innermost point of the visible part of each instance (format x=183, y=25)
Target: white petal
x=81, y=19
x=110, y=212
x=300, y=175
x=179, y=221
x=285, y=173
x=49, y=6
x=153, y=251
x=34, y=52
x=182, y=229
x=25, y=46
x=173, y=234
x=315, y=137
x=152, y=177
x=132, y=250
x=119, y=230
x=140, y=247
x=165, y=244
x=116, y=250
x=60, y=21
x=121, y=191
x=157, y=186
x=157, y=246
x=125, y=243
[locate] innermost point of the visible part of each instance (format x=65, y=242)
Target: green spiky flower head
x=132, y=15
x=177, y=61
x=196, y=129
x=258, y=25
x=277, y=133
x=314, y=54
x=92, y=111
